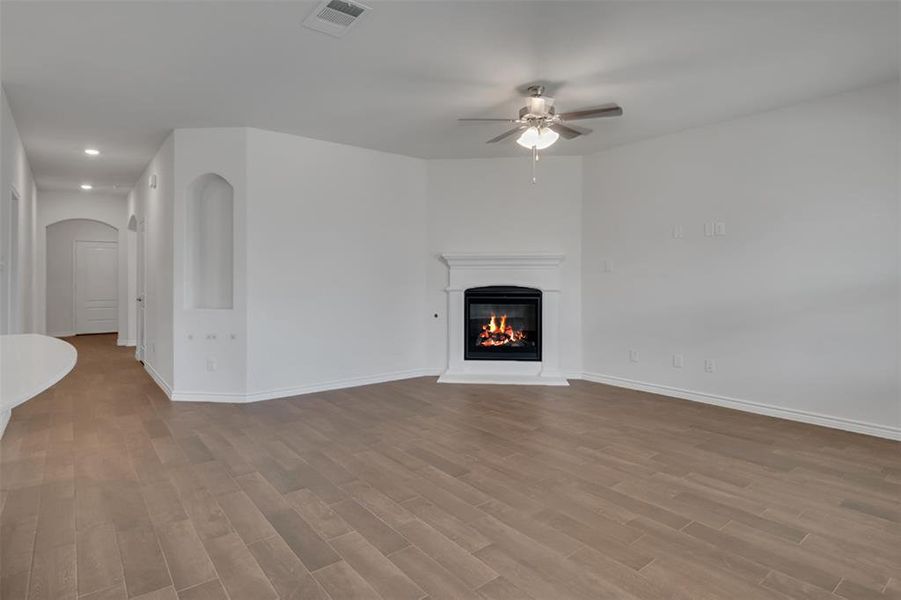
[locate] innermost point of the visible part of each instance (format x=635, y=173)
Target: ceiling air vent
x=335, y=17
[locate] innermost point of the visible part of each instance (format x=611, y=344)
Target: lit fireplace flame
x=498, y=333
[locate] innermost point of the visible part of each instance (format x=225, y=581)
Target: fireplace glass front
x=502, y=323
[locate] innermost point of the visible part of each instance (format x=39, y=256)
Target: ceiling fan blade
x=569, y=132
x=506, y=134
x=486, y=120
x=593, y=113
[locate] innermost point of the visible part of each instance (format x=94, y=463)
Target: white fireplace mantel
x=539, y=271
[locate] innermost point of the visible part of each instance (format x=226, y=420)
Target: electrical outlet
x=678, y=361
x=678, y=232
x=709, y=365
x=633, y=355
x=211, y=364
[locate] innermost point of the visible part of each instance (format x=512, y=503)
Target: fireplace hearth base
x=502, y=379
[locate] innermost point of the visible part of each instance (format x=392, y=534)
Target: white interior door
x=96, y=287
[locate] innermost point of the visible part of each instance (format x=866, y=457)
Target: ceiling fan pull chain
x=534, y=162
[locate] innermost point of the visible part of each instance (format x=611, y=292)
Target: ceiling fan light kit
x=542, y=126
x=542, y=138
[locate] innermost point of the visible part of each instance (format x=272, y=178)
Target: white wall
x=53, y=207
x=336, y=252
x=797, y=303
x=60, y=254
x=155, y=209
x=15, y=176
x=336, y=275
x=210, y=338
x=491, y=206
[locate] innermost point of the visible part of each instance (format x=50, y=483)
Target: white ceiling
x=120, y=75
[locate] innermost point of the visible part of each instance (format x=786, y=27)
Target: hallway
x=411, y=489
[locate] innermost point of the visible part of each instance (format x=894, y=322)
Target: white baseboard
x=874, y=429
x=157, y=378
x=121, y=342
x=300, y=390
x=59, y=334
x=234, y=397
x=4, y=420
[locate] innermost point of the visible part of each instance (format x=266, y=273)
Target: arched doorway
x=82, y=291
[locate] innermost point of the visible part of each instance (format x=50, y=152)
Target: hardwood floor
x=412, y=489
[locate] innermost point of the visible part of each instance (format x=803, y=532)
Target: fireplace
x=502, y=323
x=524, y=347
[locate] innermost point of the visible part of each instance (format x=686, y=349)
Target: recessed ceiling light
x=92, y=151
x=87, y=186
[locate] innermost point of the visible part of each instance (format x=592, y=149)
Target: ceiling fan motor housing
x=537, y=107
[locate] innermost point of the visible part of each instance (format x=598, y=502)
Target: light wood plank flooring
x=412, y=489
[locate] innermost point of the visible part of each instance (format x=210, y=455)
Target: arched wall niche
x=209, y=247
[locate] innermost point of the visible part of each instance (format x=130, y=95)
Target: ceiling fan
x=540, y=125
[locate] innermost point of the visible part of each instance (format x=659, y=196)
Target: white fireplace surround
x=539, y=271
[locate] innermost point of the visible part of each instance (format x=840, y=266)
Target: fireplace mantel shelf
x=494, y=261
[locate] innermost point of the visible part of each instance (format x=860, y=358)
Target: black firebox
x=502, y=323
